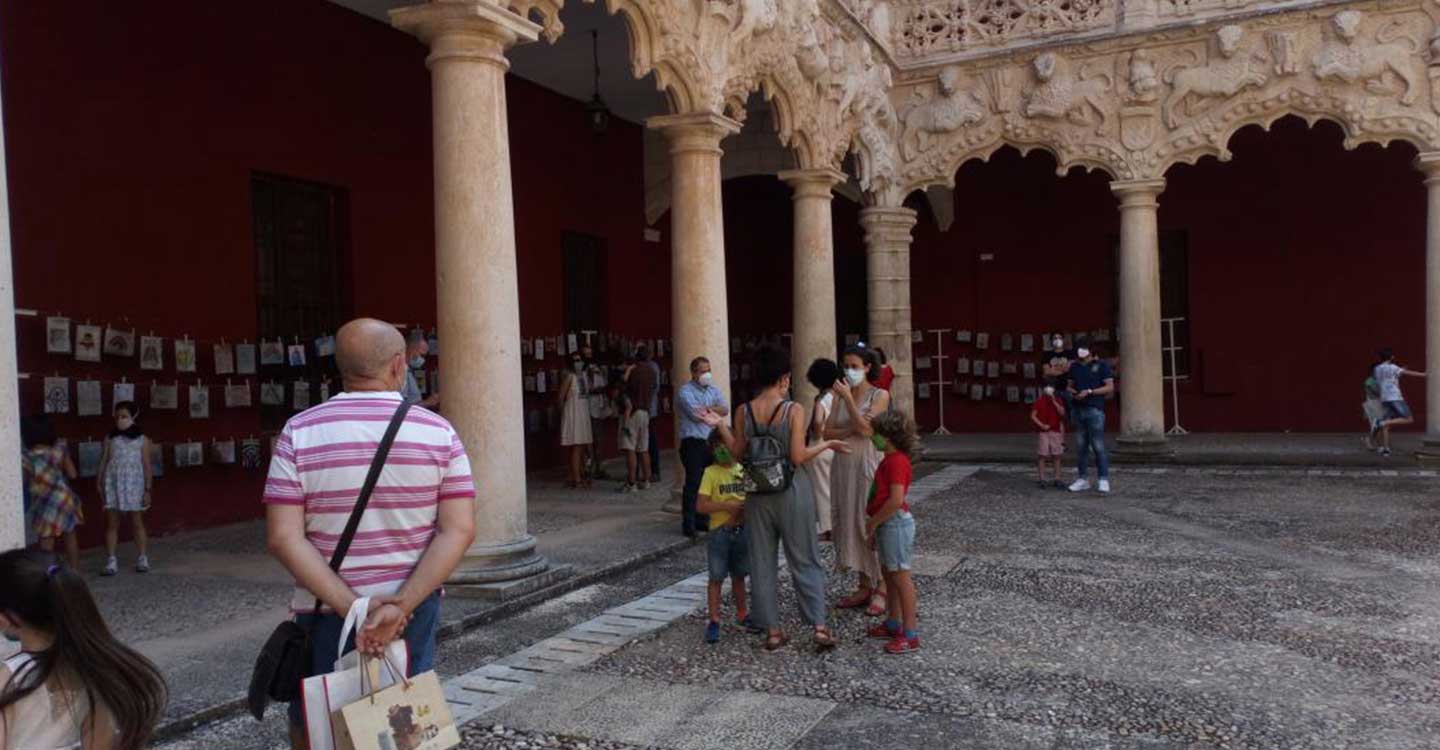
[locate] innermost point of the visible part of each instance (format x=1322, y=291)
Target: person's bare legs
x=1040, y=469
x=630, y=467
x=737, y=590
x=577, y=453
x=644, y=458
x=902, y=589
x=137, y=526
x=72, y=550
x=712, y=599
x=1057, y=468
x=112, y=531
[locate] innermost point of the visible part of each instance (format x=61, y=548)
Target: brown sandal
x=776, y=641
x=823, y=639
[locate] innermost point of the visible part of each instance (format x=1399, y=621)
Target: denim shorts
x=728, y=552
x=1397, y=410
x=419, y=641
x=895, y=542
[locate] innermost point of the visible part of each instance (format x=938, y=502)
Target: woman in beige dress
x=575, y=435
x=823, y=374
x=856, y=400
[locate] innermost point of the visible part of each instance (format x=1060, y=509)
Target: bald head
x=366, y=349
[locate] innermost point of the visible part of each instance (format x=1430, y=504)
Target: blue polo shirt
x=1089, y=376
x=693, y=397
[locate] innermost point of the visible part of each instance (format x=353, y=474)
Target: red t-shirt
x=1046, y=412
x=893, y=469
x=885, y=378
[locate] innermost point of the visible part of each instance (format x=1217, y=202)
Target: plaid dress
x=55, y=507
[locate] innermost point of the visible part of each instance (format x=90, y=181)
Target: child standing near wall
x=1048, y=415
x=125, y=481
x=48, y=471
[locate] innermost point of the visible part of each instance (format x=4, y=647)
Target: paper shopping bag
x=324, y=695
x=412, y=715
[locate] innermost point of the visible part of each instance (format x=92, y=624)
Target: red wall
x=132, y=131
x=1303, y=260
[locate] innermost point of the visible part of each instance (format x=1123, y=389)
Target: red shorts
x=1052, y=444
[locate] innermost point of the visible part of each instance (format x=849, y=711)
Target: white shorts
x=638, y=439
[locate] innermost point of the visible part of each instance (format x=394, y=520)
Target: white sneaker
x=142, y=565
x=1080, y=485
x=111, y=567
x=1104, y=486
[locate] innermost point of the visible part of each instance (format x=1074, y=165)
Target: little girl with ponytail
x=72, y=684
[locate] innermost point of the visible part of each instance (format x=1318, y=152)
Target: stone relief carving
x=1232, y=73
x=1061, y=94
x=949, y=109
x=931, y=27
x=1133, y=106
x=1349, y=60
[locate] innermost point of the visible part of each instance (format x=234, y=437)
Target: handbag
x=284, y=660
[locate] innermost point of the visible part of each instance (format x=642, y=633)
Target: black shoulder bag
x=284, y=661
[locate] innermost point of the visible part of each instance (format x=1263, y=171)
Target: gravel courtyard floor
x=1191, y=608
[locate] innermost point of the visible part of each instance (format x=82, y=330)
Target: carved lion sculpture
x=1347, y=61
x=1225, y=77
x=952, y=110
x=1063, y=95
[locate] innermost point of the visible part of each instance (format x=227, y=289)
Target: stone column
x=887, y=256
x=12, y=515
x=475, y=270
x=814, y=303
x=1142, y=409
x=1429, y=163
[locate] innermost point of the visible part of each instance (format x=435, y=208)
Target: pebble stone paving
x=1186, y=610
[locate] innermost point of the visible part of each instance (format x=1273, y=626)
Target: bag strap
x=363, y=499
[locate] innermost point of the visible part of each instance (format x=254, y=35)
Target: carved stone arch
x=1093, y=157
x=646, y=55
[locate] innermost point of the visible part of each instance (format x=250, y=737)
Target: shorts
x=727, y=551
x=1052, y=444
x=639, y=438
x=895, y=542
x=1397, y=410
x=419, y=641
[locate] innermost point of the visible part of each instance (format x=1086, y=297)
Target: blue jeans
x=325, y=638
x=895, y=542
x=727, y=553
x=1090, y=435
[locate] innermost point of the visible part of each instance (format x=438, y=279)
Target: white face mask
x=1082, y=352
x=706, y=378
x=854, y=377
x=124, y=423
x=1057, y=344
x=1049, y=390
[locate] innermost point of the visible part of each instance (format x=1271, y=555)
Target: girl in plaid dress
x=55, y=510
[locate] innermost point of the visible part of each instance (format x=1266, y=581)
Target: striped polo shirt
x=320, y=461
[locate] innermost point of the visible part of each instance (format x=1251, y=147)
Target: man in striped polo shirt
x=416, y=528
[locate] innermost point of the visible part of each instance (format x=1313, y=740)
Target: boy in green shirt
x=722, y=497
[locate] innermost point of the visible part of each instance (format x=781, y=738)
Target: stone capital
x=1429, y=163
x=812, y=183
x=877, y=220
x=694, y=131
x=477, y=30
x=1138, y=193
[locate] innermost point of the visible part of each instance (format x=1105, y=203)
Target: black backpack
x=767, y=464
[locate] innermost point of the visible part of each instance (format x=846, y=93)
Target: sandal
x=776, y=641
x=877, y=608
x=823, y=639
x=855, y=600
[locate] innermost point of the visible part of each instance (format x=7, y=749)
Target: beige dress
x=575, y=413
x=819, y=467
x=850, y=477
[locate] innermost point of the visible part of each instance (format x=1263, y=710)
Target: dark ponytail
x=47, y=596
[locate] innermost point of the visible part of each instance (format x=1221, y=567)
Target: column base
x=504, y=591
x=1429, y=450
x=1143, y=444
x=503, y=563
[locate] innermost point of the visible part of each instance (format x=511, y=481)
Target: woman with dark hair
x=73, y=684
x=885, y=375
x=823, y=374
x=785, y=517
x=856, y=402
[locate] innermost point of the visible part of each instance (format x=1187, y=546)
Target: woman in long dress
x=856, y=401
x=575, y=434
x=823, y=374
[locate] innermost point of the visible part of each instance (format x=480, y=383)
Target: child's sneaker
x=643, y=486
x=712, y=632
x=142, y=565
x=626, y=488
x=902, y=645
x=1080, y=485
x=883, y=631
x=1385, y=452
x=1104, y=486
x=111, y=567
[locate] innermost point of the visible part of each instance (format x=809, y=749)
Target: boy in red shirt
x=891, y=529
x=1048, y=414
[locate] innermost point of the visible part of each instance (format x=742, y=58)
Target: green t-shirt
x=723, y=484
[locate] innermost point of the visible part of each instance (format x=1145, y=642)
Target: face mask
x=1082, y=352
x=1057, y=344
x=706, y=378
x=124, y=423
x=722, y=455
x=854, y=377
x=577, y=365
x=417, y=362
x=879, y=442
x=1049, y=390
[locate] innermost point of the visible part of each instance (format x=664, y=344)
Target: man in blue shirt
x=699, y=404
x=1091, y=380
